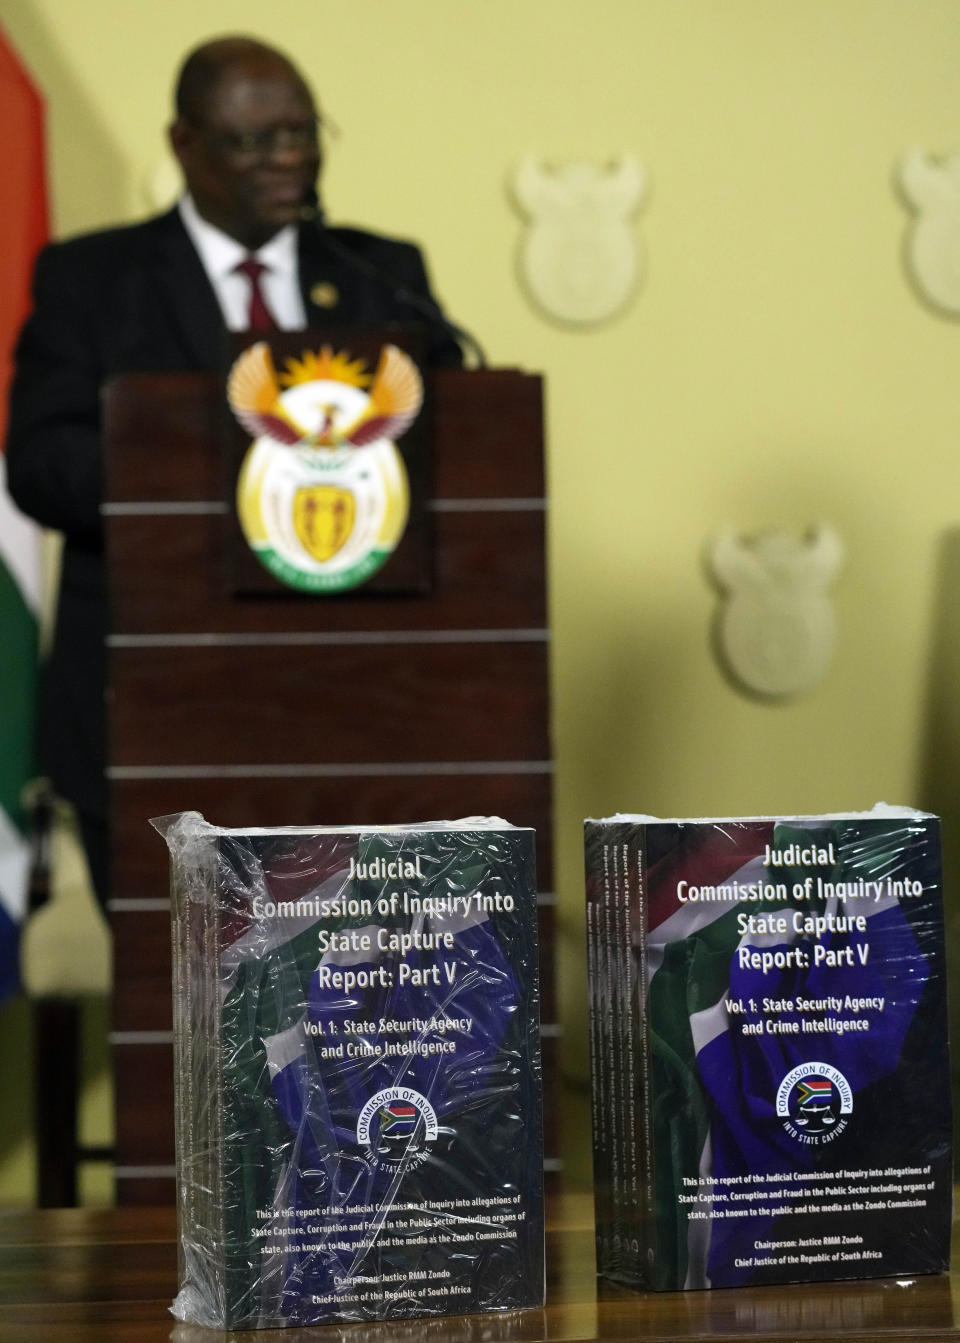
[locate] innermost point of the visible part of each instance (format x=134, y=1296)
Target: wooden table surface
x=97, y=1275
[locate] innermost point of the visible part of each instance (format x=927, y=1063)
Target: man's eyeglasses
x=258, y=144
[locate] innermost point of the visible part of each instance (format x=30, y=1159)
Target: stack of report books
x=358, y=1102
x=769, y=1048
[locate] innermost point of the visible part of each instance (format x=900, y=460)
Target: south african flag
x=813, y=1093
x=23, y=228
x=397, y=1118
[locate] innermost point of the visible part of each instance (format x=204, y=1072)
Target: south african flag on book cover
x=23, y=228
x=769, y=1048
x=358, y=1103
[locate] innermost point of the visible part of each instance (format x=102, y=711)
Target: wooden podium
x=356, y=708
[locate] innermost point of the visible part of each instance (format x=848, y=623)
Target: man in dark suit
x=236, y=252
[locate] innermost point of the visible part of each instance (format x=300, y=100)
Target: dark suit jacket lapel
x=187, y=296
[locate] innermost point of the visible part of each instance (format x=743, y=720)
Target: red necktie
x=260, y=318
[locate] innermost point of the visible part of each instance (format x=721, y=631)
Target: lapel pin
x=325, y=295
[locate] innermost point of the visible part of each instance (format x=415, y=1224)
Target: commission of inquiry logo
x=397, y=1126
x=813, y=1101
x=323, y=496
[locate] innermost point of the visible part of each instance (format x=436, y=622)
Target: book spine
x=616, y=927
x=618, y=970
x=197, y=1116
x=600, y=1048
x=637, y=1017
x=184, y=1101
x=210, y=1059
x=627, y=969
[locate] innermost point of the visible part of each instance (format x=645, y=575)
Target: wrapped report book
x=358, y=1092
x=769, y=1059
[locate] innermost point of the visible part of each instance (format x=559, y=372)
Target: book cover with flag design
x=358, y=1092
x=768, y=1003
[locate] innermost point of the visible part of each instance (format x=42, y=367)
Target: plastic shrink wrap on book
x=768, y=1048
x=357, y=1072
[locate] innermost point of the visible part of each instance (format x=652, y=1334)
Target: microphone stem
x=420, y=304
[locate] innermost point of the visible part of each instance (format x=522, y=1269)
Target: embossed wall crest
x=580, y=259
x=932, y=189
x=776, y=629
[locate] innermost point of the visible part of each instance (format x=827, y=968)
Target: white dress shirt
x=220, y=254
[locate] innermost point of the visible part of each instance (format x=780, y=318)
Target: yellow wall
x=776, y=370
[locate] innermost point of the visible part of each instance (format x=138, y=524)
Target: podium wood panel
x=472, y=558
x=285, y=709
x=355, y=703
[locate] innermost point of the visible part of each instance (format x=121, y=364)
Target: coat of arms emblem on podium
x=323, y=495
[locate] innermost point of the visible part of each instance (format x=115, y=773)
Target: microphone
x=418, y=303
